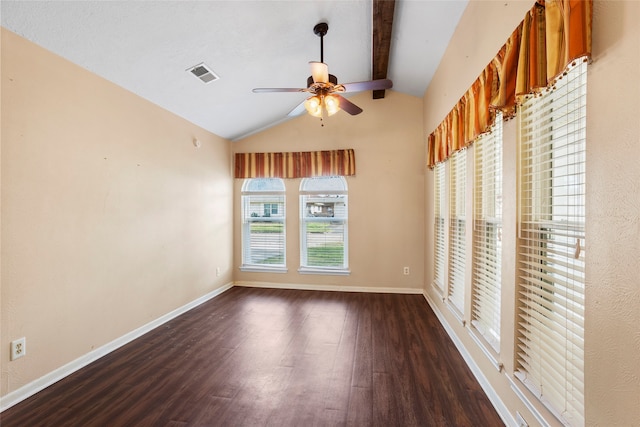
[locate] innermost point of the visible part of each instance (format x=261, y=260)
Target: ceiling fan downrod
x=320, y=30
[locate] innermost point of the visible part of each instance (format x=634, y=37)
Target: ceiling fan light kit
x=317, y=105
x=325, y=99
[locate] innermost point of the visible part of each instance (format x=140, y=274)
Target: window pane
x=263, y=184
x=323, y=223
x=325, y=244
x=324, y=184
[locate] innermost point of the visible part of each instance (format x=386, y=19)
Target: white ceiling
x=147, y=46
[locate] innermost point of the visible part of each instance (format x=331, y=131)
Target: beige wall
x=612, y=341
x=386, y=197
x=111, y=218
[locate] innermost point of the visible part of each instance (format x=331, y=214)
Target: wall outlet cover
x=18, y=348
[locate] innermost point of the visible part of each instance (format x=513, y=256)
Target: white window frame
x=312, y=190
x=551, y=255
x=253, y=203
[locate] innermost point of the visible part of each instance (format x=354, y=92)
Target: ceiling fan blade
x=277, y=89
x=369, y=85
x=348, y=106
x=298, y=110
x=319, y=72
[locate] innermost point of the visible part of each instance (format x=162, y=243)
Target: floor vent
x=204, y=73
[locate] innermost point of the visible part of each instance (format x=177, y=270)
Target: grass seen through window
x=326, y=256
x=267, y=227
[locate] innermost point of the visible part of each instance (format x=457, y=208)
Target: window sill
x=263, y=269
x=324, y=271
x=486, y=346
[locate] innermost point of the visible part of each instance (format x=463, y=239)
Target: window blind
x=457, y=220
x=487, y=235
x=550, y=355
x=439, y=227
x=263, y=220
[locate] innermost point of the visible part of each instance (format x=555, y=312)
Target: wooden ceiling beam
x=383, y=11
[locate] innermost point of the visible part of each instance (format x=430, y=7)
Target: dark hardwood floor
x=265, y=357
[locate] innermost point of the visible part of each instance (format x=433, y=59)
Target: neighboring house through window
x=263, y=225
x=270, y=209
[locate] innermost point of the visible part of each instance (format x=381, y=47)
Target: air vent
x=204, y=73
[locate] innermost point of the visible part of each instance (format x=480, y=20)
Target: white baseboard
x=494, y=398
x=336, y=288
x=45, y=381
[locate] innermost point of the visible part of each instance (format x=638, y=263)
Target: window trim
x=245, y=196
x=303, y=194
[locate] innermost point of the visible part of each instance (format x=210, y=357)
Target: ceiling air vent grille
x=204, y=73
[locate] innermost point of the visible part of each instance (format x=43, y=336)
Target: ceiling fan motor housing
x=332, y=79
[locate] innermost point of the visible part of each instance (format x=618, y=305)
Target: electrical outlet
x=406, y=271
x=217, y=271
x=18, y=348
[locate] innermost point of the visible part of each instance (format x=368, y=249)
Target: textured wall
x=111, y=217
x=613, y=217
x=612, y=334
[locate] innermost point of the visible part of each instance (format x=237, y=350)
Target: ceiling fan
x=325, y=99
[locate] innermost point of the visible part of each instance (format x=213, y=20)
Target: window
x=487, y=235
x=270, y=209
x=438, y=207
x=457, y=222
x=263, y=225
x=323, y=225
x=551, y=262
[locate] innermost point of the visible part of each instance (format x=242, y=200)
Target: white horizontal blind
x=439, y=226
x=263, y=220
x=487, y=235
x=324, y=214
x=457, y=219
x=550, y=357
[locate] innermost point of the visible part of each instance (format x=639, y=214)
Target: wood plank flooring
x=266, y=357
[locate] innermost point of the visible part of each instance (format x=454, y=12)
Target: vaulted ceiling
x=148, y=48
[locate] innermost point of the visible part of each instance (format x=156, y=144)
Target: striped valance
x=295, y=164
x=553, y=34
